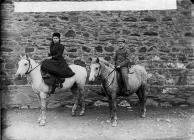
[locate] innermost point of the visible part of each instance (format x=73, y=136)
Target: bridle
x=107, y=75
x=30, y=67
x=98, y=75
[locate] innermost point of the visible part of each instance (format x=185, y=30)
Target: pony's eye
x=96, y=68
x=25, y=64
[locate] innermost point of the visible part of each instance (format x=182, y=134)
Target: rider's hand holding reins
x=118, y=66
x=48, y=57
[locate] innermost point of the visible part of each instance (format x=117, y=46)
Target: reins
x=28, y=72
x=112, y=79
x=109, y=75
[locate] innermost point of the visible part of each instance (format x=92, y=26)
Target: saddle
x=52, y=81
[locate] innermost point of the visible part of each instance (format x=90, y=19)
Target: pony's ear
x=94, y=60
x=26, y=55
x=90, y=59
x=97, y=60
x=21, y=56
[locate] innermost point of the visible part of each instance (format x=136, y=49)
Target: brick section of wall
x=163, y=41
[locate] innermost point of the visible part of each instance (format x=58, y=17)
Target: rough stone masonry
x=162, y=41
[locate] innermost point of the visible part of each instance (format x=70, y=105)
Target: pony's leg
x=82, y=99
x=142, y=100
x=76, y=100
x=43, y=108
x=110, y=108
x=113, y=108
x=39, y=118
x=114, y=104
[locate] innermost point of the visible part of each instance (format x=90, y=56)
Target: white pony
x=76, y=83
x=112, y=85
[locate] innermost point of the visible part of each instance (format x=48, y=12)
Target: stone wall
x=160, y=40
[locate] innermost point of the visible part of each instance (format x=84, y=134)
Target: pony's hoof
x=114, y=123
x=39, y=119
x=143, y=116
x=73, y=114
x=82, y=113
x=42, y=123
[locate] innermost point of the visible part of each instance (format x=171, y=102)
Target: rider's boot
x=59, y=82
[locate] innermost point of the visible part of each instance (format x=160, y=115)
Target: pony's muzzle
x=91, y=79
x=18, y=75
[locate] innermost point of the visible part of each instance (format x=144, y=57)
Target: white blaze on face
x=94, y=71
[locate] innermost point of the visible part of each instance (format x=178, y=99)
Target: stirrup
x=126, y=91
x=59, y=83
x=45, y=75
x=52, y=90
x=131, y=72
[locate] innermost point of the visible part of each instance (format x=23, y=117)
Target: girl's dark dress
x=57, y=66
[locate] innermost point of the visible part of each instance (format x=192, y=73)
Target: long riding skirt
x=57, y=68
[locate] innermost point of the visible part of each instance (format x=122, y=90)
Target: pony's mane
x=102, y=60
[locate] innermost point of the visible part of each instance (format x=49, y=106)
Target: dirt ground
x=160, y=124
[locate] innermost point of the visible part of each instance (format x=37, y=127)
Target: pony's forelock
x=101, y=61
x=105, y=62
x=94, y=60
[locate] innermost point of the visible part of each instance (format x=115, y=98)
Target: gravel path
x=163, y=124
